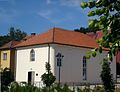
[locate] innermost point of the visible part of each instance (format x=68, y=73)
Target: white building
x=32, y=54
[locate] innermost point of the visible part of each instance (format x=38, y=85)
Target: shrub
x=6, y=78
x=48, y=78
x=98, y=89
x=106, y=77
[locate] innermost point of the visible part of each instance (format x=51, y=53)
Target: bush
x=15, y=87
x=48, y=78
x=98, y=89
x=6, y=78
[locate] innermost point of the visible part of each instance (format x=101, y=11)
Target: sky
x=37, y=16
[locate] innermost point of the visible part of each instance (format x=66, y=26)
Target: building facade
x=71, y=67
x=7, y=55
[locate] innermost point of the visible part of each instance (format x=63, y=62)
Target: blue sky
x=40, y=15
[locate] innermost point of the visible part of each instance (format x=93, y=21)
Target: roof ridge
x=60, y=36
x=53, y=38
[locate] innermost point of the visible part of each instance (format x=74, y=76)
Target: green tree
x=86, y=30
x=107, y=19
x=106, y=77
x=14, y=34
x=6, y=79
x=48, y=78
x=4, y=39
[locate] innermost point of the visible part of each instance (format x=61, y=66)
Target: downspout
x=15, y=65
x=49, y=45
x=48, y=53
x=49, y=50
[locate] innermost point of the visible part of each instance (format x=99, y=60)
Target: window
x=4, y=56
x=84, y=68
x=32, y=55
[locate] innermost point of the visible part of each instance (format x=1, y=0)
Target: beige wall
x=5, y=63
x=72, y=65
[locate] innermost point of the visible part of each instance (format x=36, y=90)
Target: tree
x=14, y=34
x=86, y=30
x=106, y=77
x=6, y=78
x=4, y=39
x=108, y=20
x=48, y=78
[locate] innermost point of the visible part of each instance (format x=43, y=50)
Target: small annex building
x=70, y=46
x=7, y=55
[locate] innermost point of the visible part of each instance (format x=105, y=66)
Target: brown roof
x=10, y=44
x=60, y=36
x=27, y=37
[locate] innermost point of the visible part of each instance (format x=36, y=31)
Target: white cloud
x=50, y=16
x=48, y=1
x=45, y=14
x=70, y=3
x=55, y=15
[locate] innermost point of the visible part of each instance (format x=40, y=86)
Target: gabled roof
x=61, y=36
x=9, y=45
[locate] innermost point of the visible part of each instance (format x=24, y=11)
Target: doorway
x=118, y=71
x=31, y=76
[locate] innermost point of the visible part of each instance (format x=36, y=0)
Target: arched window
x=84, y=68
x=32, y=55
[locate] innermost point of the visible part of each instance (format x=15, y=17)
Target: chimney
x=33, y=34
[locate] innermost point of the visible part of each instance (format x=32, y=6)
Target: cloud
x=48, y=15
x=70, y=3
x=55, y=14
x=48, y=1
x=52, y=16
x=45, y=14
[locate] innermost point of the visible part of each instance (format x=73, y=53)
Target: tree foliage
x=14, y=34
x=106, y=77
x=6, y=78
x=107, y=19
x=48, y=78
x=86, y=30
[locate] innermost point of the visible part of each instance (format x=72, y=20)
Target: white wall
x=24, y=65
x=71, y=70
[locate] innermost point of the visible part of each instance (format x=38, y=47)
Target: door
x=118, y=71
x=31, y=76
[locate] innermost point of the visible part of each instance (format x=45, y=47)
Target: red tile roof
x=27, y=37
x=96, y=35
x=10, y=44
x=61, y=36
